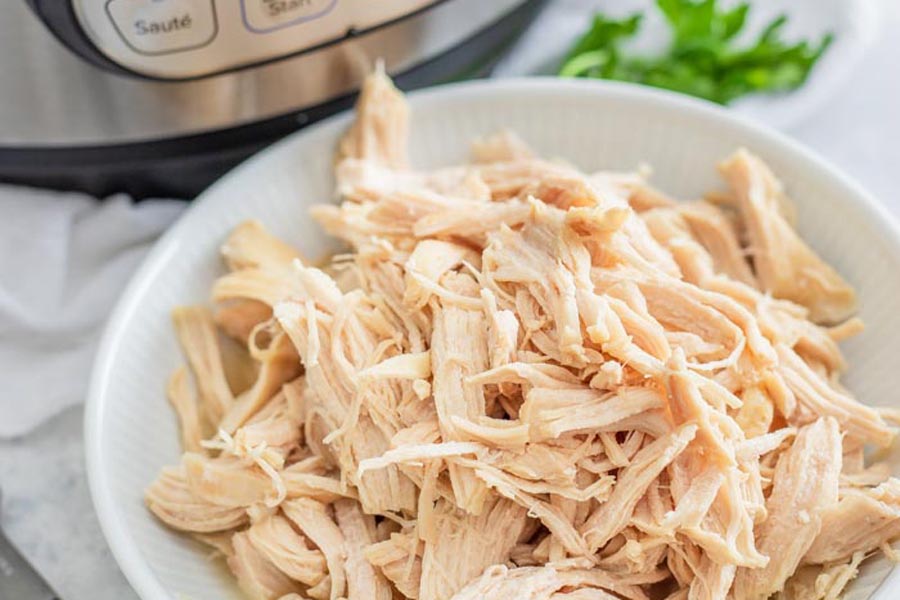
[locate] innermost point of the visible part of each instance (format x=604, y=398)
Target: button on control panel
x=262, y=16
x=163, y=26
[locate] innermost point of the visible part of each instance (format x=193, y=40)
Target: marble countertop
x=47, y=510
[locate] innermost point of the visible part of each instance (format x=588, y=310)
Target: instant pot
x=160, y=97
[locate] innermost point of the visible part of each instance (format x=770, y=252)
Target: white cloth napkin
x=64, y=259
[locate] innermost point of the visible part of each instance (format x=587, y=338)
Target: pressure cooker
x=160, y=97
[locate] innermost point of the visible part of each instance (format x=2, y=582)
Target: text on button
x=163, y=26
x=268, y=15
x=143, y=27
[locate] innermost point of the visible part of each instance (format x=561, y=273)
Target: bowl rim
x=112, y=521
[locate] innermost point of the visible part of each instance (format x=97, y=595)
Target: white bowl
x=130, y=429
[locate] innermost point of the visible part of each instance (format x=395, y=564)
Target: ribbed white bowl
x=130, y=429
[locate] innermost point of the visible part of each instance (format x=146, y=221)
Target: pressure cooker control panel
x=179, y=39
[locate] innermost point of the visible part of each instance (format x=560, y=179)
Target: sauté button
x=163, y=26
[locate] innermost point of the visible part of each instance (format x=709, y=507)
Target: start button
x=262, y=16
x=163, y=26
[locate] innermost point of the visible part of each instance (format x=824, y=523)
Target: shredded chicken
x=526, y=382
x=785, y=266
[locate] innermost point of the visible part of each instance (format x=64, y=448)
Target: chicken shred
x=185, y=404
x=805, y=485
x=523, y=381
x=785, y=266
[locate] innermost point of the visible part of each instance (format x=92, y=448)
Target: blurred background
x=115, y=114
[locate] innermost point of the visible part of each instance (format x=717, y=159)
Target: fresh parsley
x=702, y=58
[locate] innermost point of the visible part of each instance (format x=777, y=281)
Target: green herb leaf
x=732, y=21
x=701, y=59
x=604, y=34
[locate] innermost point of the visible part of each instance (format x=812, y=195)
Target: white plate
x=130, y=429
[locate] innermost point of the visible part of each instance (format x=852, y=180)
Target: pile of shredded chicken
x=526, y=382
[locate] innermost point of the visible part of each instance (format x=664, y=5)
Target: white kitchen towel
x=64, y=259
